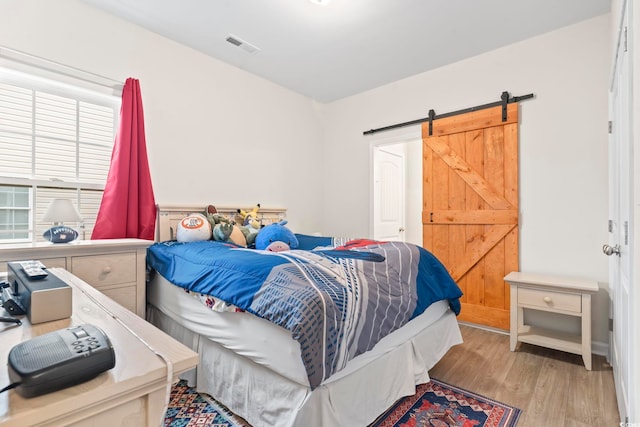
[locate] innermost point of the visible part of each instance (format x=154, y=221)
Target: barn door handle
x=610, y=250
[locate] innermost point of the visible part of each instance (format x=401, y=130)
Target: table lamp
x=58, y=212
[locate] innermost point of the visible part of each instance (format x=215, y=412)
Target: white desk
x=133, y=393
x=555, y=294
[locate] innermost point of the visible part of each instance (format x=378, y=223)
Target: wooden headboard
x=170, y=216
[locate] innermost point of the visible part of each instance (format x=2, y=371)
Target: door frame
x=400, y=136
x=634, y=40
x=396, y=154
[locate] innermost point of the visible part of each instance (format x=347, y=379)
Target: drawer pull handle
x=547, y=299
x=106, y=270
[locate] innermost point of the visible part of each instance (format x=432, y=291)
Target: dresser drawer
x=550, y=299
x=126, y=296
x=54, y=262
x=48, y=262
x=105, y=270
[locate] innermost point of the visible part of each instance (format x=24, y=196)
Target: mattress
x=262, y=342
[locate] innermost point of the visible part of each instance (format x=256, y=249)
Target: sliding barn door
x=470, y=212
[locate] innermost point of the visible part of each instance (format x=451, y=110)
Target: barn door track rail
x=504, y=100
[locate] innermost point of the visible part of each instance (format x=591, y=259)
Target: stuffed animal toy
x=249, y=219
x=250, y=225
x=217, y=219
x=229, y=233
x=214, y=217
x=193, y=228
x=250, y=235
x=277, y=246
x=276, y=232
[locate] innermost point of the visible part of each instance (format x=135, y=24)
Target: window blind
x=55, y=142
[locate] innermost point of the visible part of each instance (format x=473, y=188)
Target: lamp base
x=60, y=234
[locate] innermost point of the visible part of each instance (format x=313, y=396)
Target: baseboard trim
x=600, y=348
x=486, y=328
x=597, y=347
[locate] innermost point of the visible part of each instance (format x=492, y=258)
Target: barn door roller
x=504, y=101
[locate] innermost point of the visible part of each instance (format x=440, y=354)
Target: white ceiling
x=349, y=46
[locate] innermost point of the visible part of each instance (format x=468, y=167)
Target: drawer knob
x=547, y=299
x=106, y=270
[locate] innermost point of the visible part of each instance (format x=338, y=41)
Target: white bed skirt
x=266, y=398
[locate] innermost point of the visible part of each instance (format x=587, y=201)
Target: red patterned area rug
x=437, y=404
x=188, y=408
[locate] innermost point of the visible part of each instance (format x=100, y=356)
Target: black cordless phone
x=60, y=359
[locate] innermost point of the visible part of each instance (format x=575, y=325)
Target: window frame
x=73, y=188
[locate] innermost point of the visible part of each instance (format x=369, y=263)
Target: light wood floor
x=552, y=388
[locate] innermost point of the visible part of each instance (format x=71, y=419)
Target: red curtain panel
x=128, y=208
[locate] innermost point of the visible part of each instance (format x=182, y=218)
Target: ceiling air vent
x=238, y=42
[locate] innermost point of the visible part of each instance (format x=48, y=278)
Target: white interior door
x=619, y=247
x=389, y=193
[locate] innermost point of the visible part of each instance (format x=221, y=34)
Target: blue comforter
x=336, y=303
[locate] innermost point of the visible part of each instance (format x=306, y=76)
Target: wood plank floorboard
x=552, y=388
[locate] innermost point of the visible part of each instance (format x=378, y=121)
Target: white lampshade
x=61, y=210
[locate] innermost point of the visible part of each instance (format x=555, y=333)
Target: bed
x=261, y=359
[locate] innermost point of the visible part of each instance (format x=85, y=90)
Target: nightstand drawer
x=105, y=270
x=550, y=299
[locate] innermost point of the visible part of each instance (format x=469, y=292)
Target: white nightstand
x=555, y=294
x=116, y=267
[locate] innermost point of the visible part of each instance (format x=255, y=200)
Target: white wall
x=563, y=144
x=215, y=134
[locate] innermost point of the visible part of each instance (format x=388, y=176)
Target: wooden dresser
x=133, y=393
x=116, y=266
